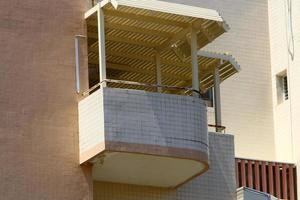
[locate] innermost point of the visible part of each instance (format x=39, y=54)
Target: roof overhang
x=136, y=30
x=167, y=7
x=173, y=20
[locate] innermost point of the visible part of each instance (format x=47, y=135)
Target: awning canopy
x=137, y=30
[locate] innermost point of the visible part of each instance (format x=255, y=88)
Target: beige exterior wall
x=247, y=109
x=38, y=103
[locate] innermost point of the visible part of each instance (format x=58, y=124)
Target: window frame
x=282, y=87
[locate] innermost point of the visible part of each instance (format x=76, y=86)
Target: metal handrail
x=139, y=84
x=222, y=128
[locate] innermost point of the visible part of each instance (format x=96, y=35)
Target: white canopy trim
x=168, y=7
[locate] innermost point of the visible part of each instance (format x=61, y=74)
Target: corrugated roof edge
x=225, y=25
x=222, y=56
x=173, y=8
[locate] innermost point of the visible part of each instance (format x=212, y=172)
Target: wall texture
x=246, y=97
x=218, y=183
x=140, y=117
x=38, y=105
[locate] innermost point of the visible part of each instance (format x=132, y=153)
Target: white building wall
x=285, y=55
x=247, y=109
x=294, y=73
x=280, y=63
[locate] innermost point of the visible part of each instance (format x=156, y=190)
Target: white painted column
x=101, y=44
x=158, y=71
x=194, y=57
x=217, y=98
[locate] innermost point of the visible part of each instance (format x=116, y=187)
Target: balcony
x=142, y=120
x=143, y=138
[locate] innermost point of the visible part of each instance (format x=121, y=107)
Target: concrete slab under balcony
x=143, y=138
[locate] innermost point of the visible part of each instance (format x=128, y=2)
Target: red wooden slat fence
x=278, y=179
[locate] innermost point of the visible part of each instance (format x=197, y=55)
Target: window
x=208, y=97
x=282, y=87
x=285, y=88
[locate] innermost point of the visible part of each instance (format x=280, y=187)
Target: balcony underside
x=146, y=169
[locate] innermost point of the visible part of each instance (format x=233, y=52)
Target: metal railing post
x=77, y=62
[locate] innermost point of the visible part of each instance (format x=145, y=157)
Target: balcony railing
x=186, y=90
x=277, y=179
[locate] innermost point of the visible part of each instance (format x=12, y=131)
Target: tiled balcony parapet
x=139, y=123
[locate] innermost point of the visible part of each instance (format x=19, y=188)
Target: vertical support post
x=250, y=173
x=277, y=181
x=194, y=57
x=256, y=176
x=77, y=65
x=237, y=180
x=217, y=99
x=101, y=44
x=243, y=173
x=77, y=62
x=264, y=176
x=158, y=71
x=271, y=179
x=291, y=183
x=284, y=182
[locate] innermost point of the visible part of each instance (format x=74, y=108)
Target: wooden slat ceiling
x=133, y=36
